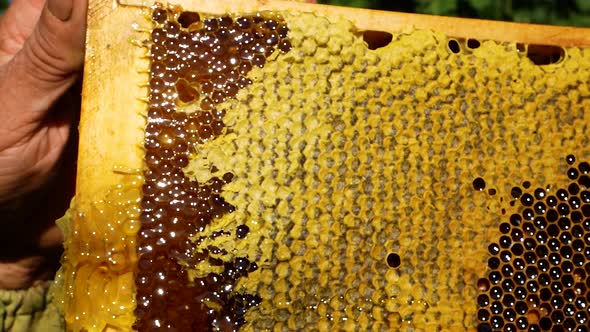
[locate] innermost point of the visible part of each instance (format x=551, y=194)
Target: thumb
x=48, y=63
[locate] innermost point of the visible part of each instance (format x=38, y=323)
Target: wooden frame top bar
x=367, y=19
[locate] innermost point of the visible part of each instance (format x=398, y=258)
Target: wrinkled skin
x=41, y=56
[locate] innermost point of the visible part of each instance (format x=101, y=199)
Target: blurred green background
x=558, y=12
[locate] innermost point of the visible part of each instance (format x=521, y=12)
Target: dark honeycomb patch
x=196, y=64
x=541, y=270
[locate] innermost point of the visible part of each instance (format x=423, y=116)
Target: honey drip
x=196, y=64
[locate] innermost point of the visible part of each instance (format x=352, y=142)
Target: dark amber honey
x=196, y=64
x=542, y=271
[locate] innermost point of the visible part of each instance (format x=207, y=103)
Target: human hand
x=41, y=54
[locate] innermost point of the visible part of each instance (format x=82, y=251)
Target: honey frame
x=111, y=124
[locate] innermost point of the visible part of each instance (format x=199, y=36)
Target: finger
x=61, y=9
x=16, y=25
x=48, y=63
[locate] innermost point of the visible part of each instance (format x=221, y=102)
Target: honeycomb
x=298, y=179
x=99, y=260
x=538, y=268
x=195, y=65
x=372, y=181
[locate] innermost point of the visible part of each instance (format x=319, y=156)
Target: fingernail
x=62, y=9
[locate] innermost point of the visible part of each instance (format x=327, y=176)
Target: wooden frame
x=111, y=128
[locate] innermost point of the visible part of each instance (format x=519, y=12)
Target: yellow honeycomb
x=353, y=170
x=95, y=285
x=342, y=155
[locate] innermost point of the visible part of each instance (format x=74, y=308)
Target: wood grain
x=111, y=124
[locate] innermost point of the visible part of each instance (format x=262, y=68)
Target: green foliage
x=437, y=7
x=355, y=3
x=559, y=12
